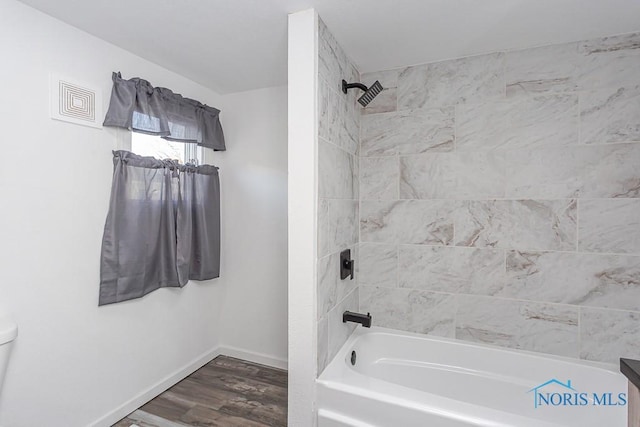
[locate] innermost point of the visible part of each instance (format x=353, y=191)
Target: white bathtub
x=406, y=380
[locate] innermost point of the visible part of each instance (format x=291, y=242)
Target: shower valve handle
x=347, y=265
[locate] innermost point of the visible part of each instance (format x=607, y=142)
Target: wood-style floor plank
x=250, y=370
x=205, y=417
x=225, y=392
x=127, y=422
x=167, y=408
x=252, y=388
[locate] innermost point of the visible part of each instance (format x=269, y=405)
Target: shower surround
x=338, y=144
x=499, y=198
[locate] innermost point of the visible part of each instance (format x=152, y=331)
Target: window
x=154, y=146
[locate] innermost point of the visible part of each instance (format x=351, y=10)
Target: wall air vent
x=74, y=102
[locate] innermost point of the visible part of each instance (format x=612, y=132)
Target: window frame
x=192, y=151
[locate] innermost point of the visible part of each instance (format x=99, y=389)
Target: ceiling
x=237, y=45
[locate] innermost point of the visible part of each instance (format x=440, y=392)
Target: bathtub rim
x=329, y=371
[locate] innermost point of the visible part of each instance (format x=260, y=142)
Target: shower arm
x=346, y=86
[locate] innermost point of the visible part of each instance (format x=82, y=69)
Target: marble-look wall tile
x=609, y=61
x=407, y=132
x=596, y=171
x=609, y=225
x=332, y=289
x=339, y=115
x=337, y=172
x=337, y=225
x=378, y=265
x=324, y=125
x=336, y=108
x=379, y=178
x=620, y=45
x=349, y=137
x=333, y=63
x=387, y=78
x=338, y=192
x=408, y=221
x=386, y=100
x=607, y=335
x=553, y=133
x=339, y=332
x=470, y=79
x=546, y=328
x=610, y=114
x=541, y=121
x=409, y=310
x=518, y=224
x=451, y=269
x=542, y=69
x=343, y=122
x=323, y=228
x=323, y=344
x=455, y=175
x=412, y=83
x=611, y=281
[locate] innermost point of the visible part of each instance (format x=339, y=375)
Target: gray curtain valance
x=140, y=107
x=162, y=227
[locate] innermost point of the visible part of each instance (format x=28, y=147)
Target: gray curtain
x=138, y=106
x=162, y=228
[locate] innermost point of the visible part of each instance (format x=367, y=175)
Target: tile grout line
x=579, y=332
x=577, y=225
x=397, y=284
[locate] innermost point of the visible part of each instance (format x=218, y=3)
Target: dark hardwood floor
x=225, y=392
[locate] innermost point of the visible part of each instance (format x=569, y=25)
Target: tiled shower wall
x=338, y=140
x=500, y=199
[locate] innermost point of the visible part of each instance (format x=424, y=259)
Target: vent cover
x=75, y=102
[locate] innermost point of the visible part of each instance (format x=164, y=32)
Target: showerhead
x=369, y=92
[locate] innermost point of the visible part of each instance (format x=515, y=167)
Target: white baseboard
x=139, y=400
x=251, y=356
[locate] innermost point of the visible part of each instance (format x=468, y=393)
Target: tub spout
x=363, y=319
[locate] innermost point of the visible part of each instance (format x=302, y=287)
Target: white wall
x=254, y=215
x=303, y=224
x=74, y=363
